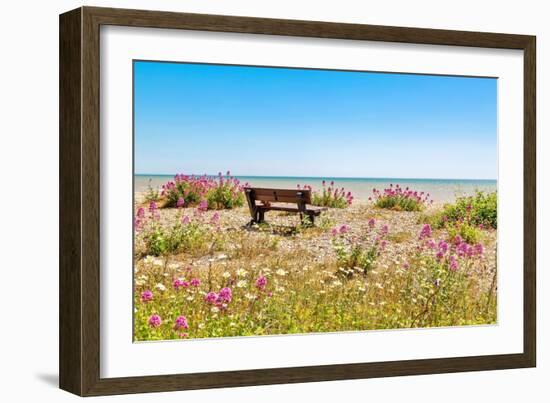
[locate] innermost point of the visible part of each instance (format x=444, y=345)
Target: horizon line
x=319, y=177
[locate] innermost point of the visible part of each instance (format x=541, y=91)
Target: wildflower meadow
x=400, y=259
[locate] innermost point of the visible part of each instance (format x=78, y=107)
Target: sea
x=440, y=190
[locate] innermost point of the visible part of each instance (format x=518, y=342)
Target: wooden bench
x=265, y=197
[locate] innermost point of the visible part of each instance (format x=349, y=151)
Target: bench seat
x=292, y=209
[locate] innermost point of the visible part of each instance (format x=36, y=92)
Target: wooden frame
x=79, y=201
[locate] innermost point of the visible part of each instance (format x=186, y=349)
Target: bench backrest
x=280, y=195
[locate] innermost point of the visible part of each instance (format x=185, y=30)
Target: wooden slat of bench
x=282, y=195
x=292, y=209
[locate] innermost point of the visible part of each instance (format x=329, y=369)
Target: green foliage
x=355, y=258
x=326, y=199
x=467, y=232
x=439, y=293
x=224, y=196
x=190, y=191
x=189, y=238
x=330, y=196
x=477, y=210
x=223, y=192
x=152, y=194
x=399, y=203
x=156, y=242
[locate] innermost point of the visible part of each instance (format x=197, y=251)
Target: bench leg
x=261, y=215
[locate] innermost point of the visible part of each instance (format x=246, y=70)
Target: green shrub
x=192, y=238
x=467, y=232
x=224, y=196
x=477, y=210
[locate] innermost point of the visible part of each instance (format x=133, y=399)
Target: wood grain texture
x=70, y=270
x=80, y=200
x=530, y=203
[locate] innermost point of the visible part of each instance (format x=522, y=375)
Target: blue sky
x=197, y=118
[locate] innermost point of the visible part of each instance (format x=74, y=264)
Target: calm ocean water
x=441, y=190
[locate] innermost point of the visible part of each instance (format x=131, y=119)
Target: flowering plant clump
x=146, y=296
x=476, y=211
x=155, y=320
x=446, y=282
x=397, y=198
x=221, y=299
x=181, y=323
x=221, y=192
x=330, y=196
x=186, y=234
x=355, y=254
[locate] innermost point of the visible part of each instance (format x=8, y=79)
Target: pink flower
x=146, y=296
x=426, y=231
x=479, y=249
x=443, y=246
x=141, y=212
x=261, y=282
x=385, y=229
x=383, y=244
x=431, y=244
x=153, y=206
x=195, y=282
x=181, y=323
x=334, y=231
x=225, y=294
x=457, y=240
x=439, y=255
x=185, y=220
x=211, y=297
x=154, y=320
x=180, y=283
x=462, y=249
x=215, y=218
x=372, y=223
x=180, y=202
x=344, y=229
x=453, y=263
x=203, y=205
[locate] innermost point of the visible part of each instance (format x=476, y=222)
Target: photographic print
x=276, y=201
